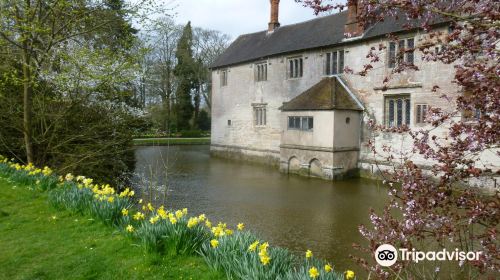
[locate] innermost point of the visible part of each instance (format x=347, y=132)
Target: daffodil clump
x=235, y=251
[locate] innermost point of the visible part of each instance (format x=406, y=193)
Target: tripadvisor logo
x=387, y=255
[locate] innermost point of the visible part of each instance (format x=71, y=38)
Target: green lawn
x=171, y=141
x=40, y=242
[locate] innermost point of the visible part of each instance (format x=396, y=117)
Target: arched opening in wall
x=293, y=165
x=315, y=168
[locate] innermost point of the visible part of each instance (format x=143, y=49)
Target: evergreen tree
x=185, y=72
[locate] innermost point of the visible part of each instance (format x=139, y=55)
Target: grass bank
x=171, y=141
x=170, y=242
x=41, y=242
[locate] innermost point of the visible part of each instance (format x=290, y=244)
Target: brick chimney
x=353, y=27
x=275, y=10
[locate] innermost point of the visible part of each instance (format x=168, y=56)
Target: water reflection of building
x=281, y=96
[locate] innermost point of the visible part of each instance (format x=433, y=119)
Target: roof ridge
x=294, y=24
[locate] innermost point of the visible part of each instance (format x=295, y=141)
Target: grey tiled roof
x=327, y=94
x=321, y=32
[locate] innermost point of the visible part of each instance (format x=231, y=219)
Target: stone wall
x=242, y=138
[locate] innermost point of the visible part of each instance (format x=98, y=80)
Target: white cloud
x=236, y=17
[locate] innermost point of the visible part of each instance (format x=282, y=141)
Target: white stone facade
x=235, y=101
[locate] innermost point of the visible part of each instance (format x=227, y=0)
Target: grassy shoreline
x=171, y=141
x=166, y=239
x=41, y=242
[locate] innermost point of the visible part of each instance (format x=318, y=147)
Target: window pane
x=419, y=114
x=290, y=122
x=409, y=55
x=301, y=72
x=392, y=55
x=264, y=122
x=399, y=112
x=341, y=62
x=305, y=123
x=265, y=72
x=407, y=112
x=311, y=123
x=328, y=64
x=290, y=74
x=296, y=68
x=390, y=120
x=297, y=122
x=334, y=64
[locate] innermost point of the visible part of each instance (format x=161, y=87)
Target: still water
x=289, y=211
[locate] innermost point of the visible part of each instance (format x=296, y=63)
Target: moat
x=289, y=211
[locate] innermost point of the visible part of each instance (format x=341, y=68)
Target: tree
x=34, y=29
x=185, y=72
x=437, y=208
x=208, y=46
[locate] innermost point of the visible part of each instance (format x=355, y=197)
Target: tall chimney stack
x=353, y=27
x=275, y=10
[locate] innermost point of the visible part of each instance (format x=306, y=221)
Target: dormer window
x=334, y=62
x=295, y=68
x=401, y=51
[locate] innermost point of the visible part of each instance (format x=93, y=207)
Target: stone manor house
x=281, y=96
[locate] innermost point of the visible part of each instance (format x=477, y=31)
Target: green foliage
x=185, y=71
x=192, y=133
x=172, y=239
x=204, y=122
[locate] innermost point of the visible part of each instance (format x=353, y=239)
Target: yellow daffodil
x=349, y=275
x=130, y=228
x=111, y=199
x=150, y=207
x=154, y=220
x=185, y=211
x=265, y=259
x=162, y=213
x=313, y=272
x=179, y=214
x=131, y=193
x=263, y=246
x=208, y=224
x=309, y=254
x=253, y=246
x=173, y=220
x=214, y=243
x=69, y=177
x=240, y=226
x=228, y=232
x=202, y=217
x=125, y=212
x=138, y=216
x=328, y=267
x=192, y=222
x=140, y=201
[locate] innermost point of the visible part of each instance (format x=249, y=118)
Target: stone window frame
x=393, y=55
x=299, y=125
x=261, y=71
x=259, y=112
x=421, y=110
x=224, y=73
x=393, y=109
x=340, y=63
x=295, y=67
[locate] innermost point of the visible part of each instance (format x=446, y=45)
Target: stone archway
x=293, y=165
x=315, y=168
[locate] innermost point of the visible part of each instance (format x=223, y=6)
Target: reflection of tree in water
x=152, y=183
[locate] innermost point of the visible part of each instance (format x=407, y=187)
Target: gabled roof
x=324, y=31
x=328, y=94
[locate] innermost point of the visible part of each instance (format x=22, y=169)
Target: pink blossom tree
x=438, y=206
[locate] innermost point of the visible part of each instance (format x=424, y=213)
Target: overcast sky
x=236, y=17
